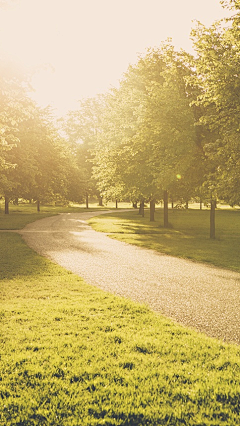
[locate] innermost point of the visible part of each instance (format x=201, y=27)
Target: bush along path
x=195, y=295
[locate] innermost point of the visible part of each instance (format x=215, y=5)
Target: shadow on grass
x=18, y=259
x=187, y=238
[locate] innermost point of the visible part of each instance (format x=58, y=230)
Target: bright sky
x=84, y=46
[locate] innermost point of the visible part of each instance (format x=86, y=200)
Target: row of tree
x=36, y=162
x=171, y=129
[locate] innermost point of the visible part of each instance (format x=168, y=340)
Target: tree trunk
x=200, y=204
x=38, y=205
x=165, y=207
x=186, y=204
x=141, y=208
x=6, y=205
x=172, y=205
x=86, y=200
x=152, y=210
x=134, y=205
x=212, y=219
x=116, y=203
x=100, y=201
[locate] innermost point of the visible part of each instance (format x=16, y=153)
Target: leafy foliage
x=36, y=163
x=15, y=107
x=147, y=132
x=82, y=127
x=217, y=66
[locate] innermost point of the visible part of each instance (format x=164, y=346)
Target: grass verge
x=187, y=237
x=23, y=214
x=74, y=355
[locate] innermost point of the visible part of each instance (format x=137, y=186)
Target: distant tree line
x=170, y=131
x=36, y=162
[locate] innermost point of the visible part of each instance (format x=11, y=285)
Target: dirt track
x=195, y=295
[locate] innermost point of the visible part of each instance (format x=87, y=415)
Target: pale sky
x=82, y=47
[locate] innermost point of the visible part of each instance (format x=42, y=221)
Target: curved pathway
x=194, y=294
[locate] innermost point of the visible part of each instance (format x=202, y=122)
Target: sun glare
x=80, y=48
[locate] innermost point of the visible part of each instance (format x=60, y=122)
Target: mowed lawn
x=72, y=354
x=187, y=236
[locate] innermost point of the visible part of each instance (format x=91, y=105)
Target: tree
x=51, y=157
x=15, y=107
x=118, y=166
x=35, y=161
x=121, y=156
x=170, y=124
x=148, y=134
x=217, y=68
x=81, y=128
x=42, y=161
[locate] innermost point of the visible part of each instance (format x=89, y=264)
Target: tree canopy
x=217, y=65
x=148, y=136
x=36, y=163
x=172, y=126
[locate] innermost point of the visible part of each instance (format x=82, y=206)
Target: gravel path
x=195, y=295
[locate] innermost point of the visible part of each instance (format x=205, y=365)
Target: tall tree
x=51, y=157
x=217, y=67
x=42, y=161
x=148, y=135
x=15, y=107
x=121, y=159
x=170, y=123
x=82, y=127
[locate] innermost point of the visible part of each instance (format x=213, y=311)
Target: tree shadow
x=17, y=259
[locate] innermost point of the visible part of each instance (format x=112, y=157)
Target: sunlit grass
x=73, y=355
x=187, y=237
x=23, y=214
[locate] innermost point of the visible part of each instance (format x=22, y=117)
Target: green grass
x=73, y=355
x=188, y=236
x=23, y=214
